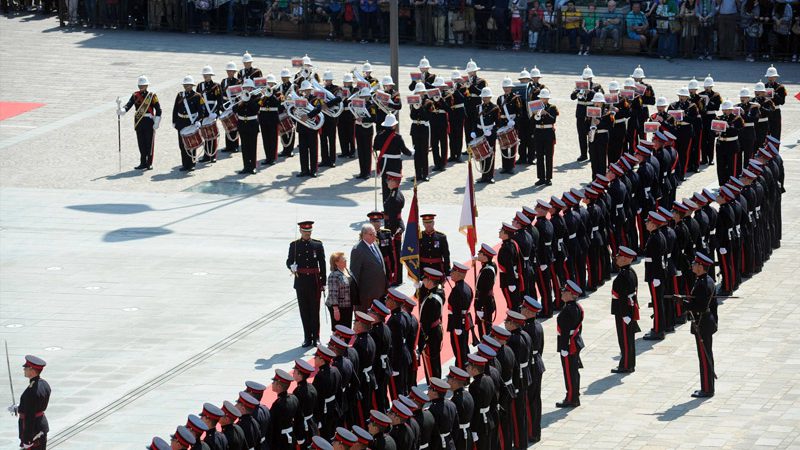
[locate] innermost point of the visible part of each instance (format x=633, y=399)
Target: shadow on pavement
x=113, y=208
x=135, y=233
x=280, y=358
x=678, y=411
x=604, y=384
x=552, y=417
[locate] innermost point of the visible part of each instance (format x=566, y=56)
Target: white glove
x=488, y=132
x=723, y=251
x=512, y=288
x=656, y=282
x=511, y=123
x=458, y=332
x=473, y=135
x=293, y=267
x=413, y=152
x=13, y=409
x=212, y=116
x=417, y=285
x=394, y=374
x=626, y=319
x=564, y=353
x=121, y=112
x=479, y=314
x=246, y=96
x=543, y=267
x=156, y=122
x=474, y=437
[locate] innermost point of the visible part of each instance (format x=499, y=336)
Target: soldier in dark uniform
x=378, y=426
x=401, y=432
x=212, y=95
x=426, y=76
x=304, y=424
x=488, y=350
x=246, y=110
x=399, y=356
x=365, y=347
x=444, y=413
x=382, y=336
x=570, y=343
x=393, y=205
x=670, y=236
x=729, y=154
x=697, y=126
x=559, y=270
x=655, y=273
x=422, y=416
x=648, y=98
x=530, y=308
x=482, y=391
x=145, y=121
x=596, y=234
x=751, y=111
x=33, y=426
x=465, y=408
x=268, y=119
x=619, y=214
x=527, y=245
x=704, y=322
x=347, y=369
x=459, y=321
x=385, y=242
x=233, y=432
x=344, y=439
x=430, y=323
x=306, y=260
x=320, y=443
x=327, y=382
x=211, y=415
x=486, y=123
x=327, y=137
x=389, y=146
x=411, y=340
x=509, y=261
x=262, y=412
x=617, y=140
x=473, y=89
x=625, y=308
x=189, y=109
x=778, y=98
x=577, y=239
x=511, y=107
x=308, y=137
x=544, y=257
x=599, y=131
x=584, y=98
x=506, y=362
x=416, y=429
x=287, y=141
x=232, y=138
x=520, y=343
x=247, y=405
x=712, y=102
x=197, y=427
x=725, y=236
x=159, y=444
x=544, y=139
x=364, y=131
x=456, y=102
x=284, y=410
x=439, y=122
x=248, y=72
x=364, y=438
x=420, y=115
x=684, y=130
x=346, y=123
x=434, y=252
x=183, y=438
x=484, y=291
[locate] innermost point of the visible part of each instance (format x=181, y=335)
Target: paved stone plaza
x=151, y=293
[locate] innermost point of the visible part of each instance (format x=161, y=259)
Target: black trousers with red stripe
x=626, y=337
x=347, y=134
x=705, y=354
x=327, y=141
x=460, y=346
x=657, y=300
x=572, y=377
x=535, y=407
x=545, y=289
x=145, y=138
x=683, y=143
x=364, y=148
x=519, y=418
x=309, y=149
x=269, y=135
x=544, y=141
x=727, y=267
x=439, y=146
x=505, y=429
x=728, y=160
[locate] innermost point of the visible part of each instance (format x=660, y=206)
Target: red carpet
x=11, y=109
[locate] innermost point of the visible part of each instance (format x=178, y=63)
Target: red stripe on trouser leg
x=426, y=360
x=688, y=156
x=152, y=147
x=736, y=164
x=704, y=361
x=654, y=298
x=457, y=350
x=567, y=377
x=514, y=423
x=392, y=388
x=699, y=147
x=530, y=416
x=500, y=435
x=676, y=289
x=726, y=277
x=640, y=228
x=566, y=271
x=625, y=356
x=360, y=414
x=557, y=283
x=375, y=401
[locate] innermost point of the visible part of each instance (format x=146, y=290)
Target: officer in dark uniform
x=704, y=323
x=382, y=336
x=284, y=410
x=778, y=98
x=434, y=251
x=268, y=118
x=305, y=427
x=465, y=408
x=233, y=432
x=393, y=205
x=33, y=426
x=472, y=91
x=444, y=413
x=189, y=109
x=183, y=438
x=684, y=130
x=422, y=416
x=648, y=98
x=390, y=148
x=484, y=291
x=570, y=343
x=625, y=308
x=482, y=390
x=365, y=347
x=247, y=405
x=327, y=382
x=525, y=242
x=262, y=412
x=232, y=138
x=247, y=110
x=159, y=444
x=511, y=107
x=430, y=323
x=402, y=433
x=597, y=233
x=617, y=140
x=559, y=270
x=509, y=261
x=544, y=257
x=456, y=103
x=212, y=95
x=520, y=343
x=655, y=274
x=197, y=427
x=412, y=422
x=599, y=131
x=530, y=308
x=584, y=98
x=544, y=139
x=725, y=232
x=399, y=356
x=729, y=154
x=347, y=370
x=351, y=393
x=459, y=321
x=697, y=126
x=378, y=426
x=309, y=137
x=328, y=132
x=211, y=415
x=420, y=115
x=411, y=340
x=486, y=123
x=577, y=239
x=385, y=241
x=712, y=102
x=344, y=439
x=439, y=123
x=506, y=362
x=306, y=260
x=145, y=121
x=248, y=72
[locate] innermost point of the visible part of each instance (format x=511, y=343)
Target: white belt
x=148, y=115
x=764, y=119
x=185, y=116
x=647, y=190
x=510, y=116
x=625, y=120
x=287, y=432
x=272, y=108
x=669, y=255
x=367, y=370
x=647, y=259
x=420, y=122
x=586, y=103
x=423, y=446
x=663, y=174
x=573, y=235
x=712, y=232
x=683, y=124
x=328, y=400
x=463, y=426
x=595, y=229
x=443, y=437
x=601, y=131
x=526, y=258
x=678, y=273
x=620, y=206
x=561, y=242
x=548, y=244
x=440, y=111
x=247, y=117
x=544, y=126
x=523, y=365
x=728, y=139
x=509, y=382
x=460, y=105
x=483, y=412
x=749, y=124
x=384, y=361
x=758, y=208
x=366, y=125
x=392, y=156
x=711, y=113
x=535, y=352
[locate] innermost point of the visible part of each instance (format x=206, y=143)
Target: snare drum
x=480, y=148
x=229, y=121
x=285, y=124
x=191, y=138
x=507, y=137
x=209, y=130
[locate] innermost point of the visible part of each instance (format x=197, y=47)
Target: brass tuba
x=337, y=110
x=298, y=113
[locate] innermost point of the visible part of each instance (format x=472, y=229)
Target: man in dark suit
x=367, y=269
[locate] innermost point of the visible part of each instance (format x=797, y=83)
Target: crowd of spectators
x=704, y=29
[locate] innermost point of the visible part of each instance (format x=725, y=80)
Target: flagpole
x=475, y=340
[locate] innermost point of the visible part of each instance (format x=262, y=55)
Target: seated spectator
x=638, y=27
x=297, y=12
x=549, y=31
x=689, y=24
x=572, y=21
x=590, y=21
x=610, y=25
x=535, y=14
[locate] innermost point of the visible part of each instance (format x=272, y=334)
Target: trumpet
x=336, y=111
x=245, y=96
x=300, y=114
